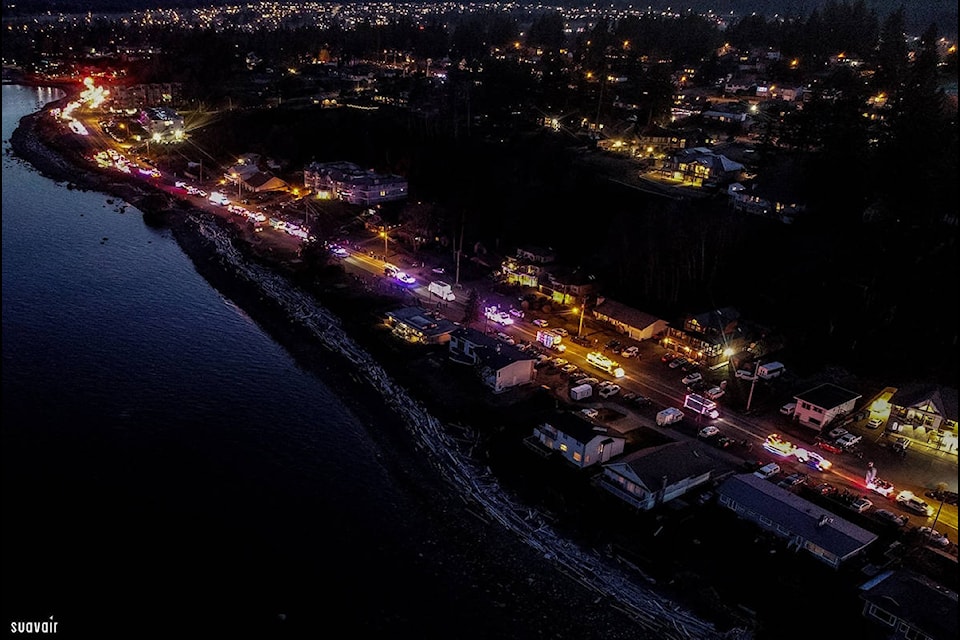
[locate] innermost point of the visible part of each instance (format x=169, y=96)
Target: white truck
x=581, y=392
x=669, y=416
x=551, y=340
x=770, y=370
x=604, y=363
x=704, y=406
x=442, y=290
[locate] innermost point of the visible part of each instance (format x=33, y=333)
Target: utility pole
x=583, y=307
x=753, y=384
x=458, y=252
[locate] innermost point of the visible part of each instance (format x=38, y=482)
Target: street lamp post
x=583, y=308
x=384, y=234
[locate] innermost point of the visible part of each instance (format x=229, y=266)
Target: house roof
x=944, y=399
x=578, y=427
x=827, y=396
x=261, y=180
x=800, y=517
x=781, y=181
x=925, y=604
x=627, y=315
x=716, y=319
x=668, y=463
x=490, y=351
x=422, y=321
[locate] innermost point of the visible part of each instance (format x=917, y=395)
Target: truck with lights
x=604, y=363
x=551, y=340
x=703, y=406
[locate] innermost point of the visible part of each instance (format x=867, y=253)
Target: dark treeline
x=861, y=281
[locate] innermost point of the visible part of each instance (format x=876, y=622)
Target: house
x=654, y=140
x=415, y=324
x=710, y=337
x=346, y=181
x=162, y=123
x=819, y=406
x=499, y=365
x=827, y=537
x=136, y=96
x=655, y=475
x=536, y=255
x=702, y=167
x=567, y=286
x=767, y=199
x=777, y=192
x=636, y=324
x=910, y=606
x=525, y=275
x=264, y=181
x=579, y=441
x=927, y=413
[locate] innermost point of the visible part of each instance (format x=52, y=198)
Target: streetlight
x=383, y=234
x=583, y=308
x=236, y=177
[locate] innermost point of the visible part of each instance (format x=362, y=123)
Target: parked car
x=910, y=502
x=629, y=396
x=587, y=380
x=900, y=444
x=516, y=313
x=609, y=390
x=848, y=440
x=826, y=445
x=948, y=497
x=505, y=338
x=438, y=270
x=836, y=433
x=714, y=392
x=709, y=432
x=678, y=362
x=861, y=505
x=792, y=480
x=767, y=471
x=667, y=357
x=743, y=374
x=721, y=442
x=630, y=352
x=540, y=322
x=641, y=401
x=788, y=409
x=889, y=517
x=561, y=332
x=569, y=368
x=824, y=489
x=874, y=423
x=933, y=536
x=690, y=379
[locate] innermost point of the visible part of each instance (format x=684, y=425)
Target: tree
x=472, y=311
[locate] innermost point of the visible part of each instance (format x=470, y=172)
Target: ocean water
x=170, y=471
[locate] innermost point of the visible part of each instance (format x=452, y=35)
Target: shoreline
x=263, y=287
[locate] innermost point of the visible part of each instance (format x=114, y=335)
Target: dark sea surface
x=168, y=469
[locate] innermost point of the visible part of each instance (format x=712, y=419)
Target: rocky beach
x=330, y=328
